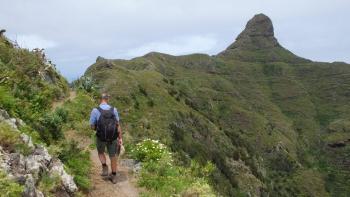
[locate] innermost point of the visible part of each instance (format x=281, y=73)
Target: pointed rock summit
x=258, y=34
x=257, y=43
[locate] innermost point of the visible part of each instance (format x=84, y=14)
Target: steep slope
x=260, y=113
x=31, y=138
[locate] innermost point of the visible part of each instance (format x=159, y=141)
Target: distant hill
x=273, y=123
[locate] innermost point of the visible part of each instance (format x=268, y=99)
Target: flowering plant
x=150, y=150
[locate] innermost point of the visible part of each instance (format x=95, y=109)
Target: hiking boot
x=104, y=170
x=114, y=178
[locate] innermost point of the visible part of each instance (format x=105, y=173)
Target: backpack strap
x=99, y=109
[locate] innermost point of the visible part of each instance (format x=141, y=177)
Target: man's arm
x=93, y=119
x=120, y=137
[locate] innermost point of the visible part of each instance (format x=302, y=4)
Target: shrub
x=7, y=101
x=62, y=113
x=86, y=83
x=150, y=103
x=8, y=137
x=162, y=177
x=78, y=163
x=8, y=187
x=48, y=184
x=149, y=150
x=51, y=127
x=143, y=90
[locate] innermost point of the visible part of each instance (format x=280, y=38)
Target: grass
x=9, y=187
x=269, y=114
x=48, y=184
x=10, y=140
x=77, y=161
x=161, y=176
x=78, y=164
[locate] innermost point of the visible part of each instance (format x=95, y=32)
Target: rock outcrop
x=257, y=43
x=258, y=34
x=27, y=170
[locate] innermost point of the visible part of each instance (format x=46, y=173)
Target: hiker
x=105, y=120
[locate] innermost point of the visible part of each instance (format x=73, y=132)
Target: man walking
x=105, y=120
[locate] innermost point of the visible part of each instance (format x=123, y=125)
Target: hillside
x=272, y=123
x=35, y=157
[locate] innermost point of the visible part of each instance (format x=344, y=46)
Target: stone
x=56, y=167
x=137, y=168
x=33, y=165
x=17, y=163
x=257, y=43
x=100, y=59
x=26, y=170
x=29, y=187
x=27, y=140
x=42, y=151
x=4, y=161
x=258, y=34
x=129, y=163
x=39, y=194
x=4, y=115
x=20, y=122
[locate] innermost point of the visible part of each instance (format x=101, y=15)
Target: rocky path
x=104, y=187
x=126, y=186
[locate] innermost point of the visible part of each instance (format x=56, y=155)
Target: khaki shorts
x=111, y=147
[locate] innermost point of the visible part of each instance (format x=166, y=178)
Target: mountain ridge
x=260, y=113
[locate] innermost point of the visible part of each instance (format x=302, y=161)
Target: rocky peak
x=258, y=34
x=257, y=43
x=259, y=25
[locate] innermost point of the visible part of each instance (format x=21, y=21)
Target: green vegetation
x=74, y=114
x=255, y=120
x=163, y=177
x=261, y=124
x=29, y=84
x=48, y=184
x=10, y=140
x=78, y=163
x=9, y=187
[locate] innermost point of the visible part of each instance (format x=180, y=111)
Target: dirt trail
x=72, y=95
x=126, y=186
x=104, y=187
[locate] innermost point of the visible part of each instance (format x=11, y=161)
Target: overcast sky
x=75, y=32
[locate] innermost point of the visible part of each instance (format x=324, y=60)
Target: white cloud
x=176, y=46
x=33, y=41
x=314, y=29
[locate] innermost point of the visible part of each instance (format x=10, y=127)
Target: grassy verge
x=161, y=176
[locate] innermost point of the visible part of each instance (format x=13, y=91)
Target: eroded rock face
x=257, y=43
x=26, y=170
x=258, y=34
x=56, y=167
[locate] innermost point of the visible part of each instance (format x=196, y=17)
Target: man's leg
x=112, y=150
x=101, y=146
x=102, y=158
x=114, y=164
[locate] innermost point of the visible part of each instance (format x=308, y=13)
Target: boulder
x=26, y=170
x=29, y=187
x=27, y=140
x=17, y=163
x=4, y=115
x=56, y=167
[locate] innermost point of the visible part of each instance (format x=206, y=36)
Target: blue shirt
x=95, y=114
